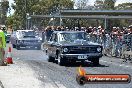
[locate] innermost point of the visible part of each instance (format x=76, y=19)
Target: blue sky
x=90, y=1
x=10, y=2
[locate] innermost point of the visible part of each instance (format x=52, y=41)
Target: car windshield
x=69, y=37
x=28, y=33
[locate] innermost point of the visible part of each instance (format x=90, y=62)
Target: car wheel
x=95, y=62
x=50, y=59
x=18, y=47
x=7, y=41
x=14, y=46
x=61, y=61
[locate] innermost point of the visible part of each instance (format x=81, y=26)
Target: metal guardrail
x=83, y=16
x=95, y=12
x=113, y=46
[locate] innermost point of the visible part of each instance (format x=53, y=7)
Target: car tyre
x=61, y=61
x=7, y=41
x=14, y=46
x=50, y=59
x=18, y=47
x=95, y=62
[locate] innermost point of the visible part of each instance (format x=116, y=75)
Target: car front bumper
x=89, y=56
x=7, y=39
x=30, y=44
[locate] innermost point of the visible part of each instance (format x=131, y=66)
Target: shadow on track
x=29, y=49
x=84, y=64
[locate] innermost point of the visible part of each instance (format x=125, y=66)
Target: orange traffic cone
x=9, y=57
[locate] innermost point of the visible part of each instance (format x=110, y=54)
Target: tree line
x=43, y=7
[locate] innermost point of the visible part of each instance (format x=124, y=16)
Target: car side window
x=52, y=37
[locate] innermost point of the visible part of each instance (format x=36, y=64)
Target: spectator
x=59, y=28
x=130, y=29
x=49, y=31
x=2, y=46
x=89, y=30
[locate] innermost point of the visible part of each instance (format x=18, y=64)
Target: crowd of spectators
x=113, y=41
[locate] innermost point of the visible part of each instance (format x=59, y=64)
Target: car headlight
x=40, y=38
x=99, y=49
x=65, y=50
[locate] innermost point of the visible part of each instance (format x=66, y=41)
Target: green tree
x=99, y=5
x=82, y=4
x=124, y=6
x=22, y=7
x=13, y=21
x=109, y=4
x=39, y=7
x=9, y=21
x=105, y=4
x=4, y=7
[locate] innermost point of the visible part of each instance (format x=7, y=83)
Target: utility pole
x=60, y=18
x=105, y=23
x=28, y=21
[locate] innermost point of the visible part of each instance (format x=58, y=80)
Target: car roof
x=68, y=31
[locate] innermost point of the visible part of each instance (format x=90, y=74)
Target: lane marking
x=121, y=65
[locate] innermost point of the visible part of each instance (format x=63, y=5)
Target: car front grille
x=8, y=35
x=82, y=50
x=30, y=41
